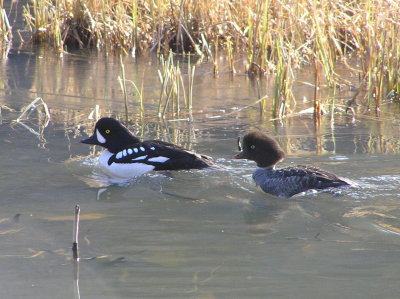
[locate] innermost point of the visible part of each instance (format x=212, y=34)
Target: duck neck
x=124, y=140
x=270, y=168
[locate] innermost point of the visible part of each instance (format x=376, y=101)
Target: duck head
x=111, y=134
x=262, y=149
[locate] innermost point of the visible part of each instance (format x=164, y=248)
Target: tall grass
x=174, y=90
x=304, y=32
x=5, y=28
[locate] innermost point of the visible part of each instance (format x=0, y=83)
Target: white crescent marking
x=100, y=137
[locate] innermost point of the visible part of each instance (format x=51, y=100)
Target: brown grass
x=276, y=36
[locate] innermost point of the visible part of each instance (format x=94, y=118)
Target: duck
x=126, y=156
x=283, y=182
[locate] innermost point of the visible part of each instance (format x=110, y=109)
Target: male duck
x=126, y=156
x=284, y=182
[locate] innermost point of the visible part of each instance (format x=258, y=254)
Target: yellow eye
x=252, y=146
x=107, y=131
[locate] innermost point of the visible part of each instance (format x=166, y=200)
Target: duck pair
x=126, y=156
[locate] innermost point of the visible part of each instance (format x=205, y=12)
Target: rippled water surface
x=188, y=234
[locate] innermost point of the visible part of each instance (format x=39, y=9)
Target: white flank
x=124, y=170
x=118, y=155
x=142, y=149
x=104, y=157
x=100, y=137
x=140, y=158
x=159, y=159
x=130, y=151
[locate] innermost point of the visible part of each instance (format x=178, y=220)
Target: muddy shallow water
x=188, y=234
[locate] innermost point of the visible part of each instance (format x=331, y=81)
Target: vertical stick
x=77, y=294
x=75, y=254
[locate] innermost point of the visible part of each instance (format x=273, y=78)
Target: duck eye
x=107, y=131
x=252, y=146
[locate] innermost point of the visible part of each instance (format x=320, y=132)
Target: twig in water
x=95, y=114
x=34, y=105
x=75, y=253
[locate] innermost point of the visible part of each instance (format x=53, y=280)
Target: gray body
x=286, y=182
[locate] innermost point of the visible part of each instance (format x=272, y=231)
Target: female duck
x=284, y=182
x=126, y=156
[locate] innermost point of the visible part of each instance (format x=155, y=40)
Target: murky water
x=188, y=234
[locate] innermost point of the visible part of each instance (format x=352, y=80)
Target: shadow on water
x=202, y=234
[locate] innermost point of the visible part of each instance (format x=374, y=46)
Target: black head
x=260, y=148
x=111, y=134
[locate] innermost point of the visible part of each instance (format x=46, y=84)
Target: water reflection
x=20, y=65
x=72, y=86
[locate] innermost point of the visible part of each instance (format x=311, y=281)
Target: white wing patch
x=140, y=158
x=158, y=159
x=100, y=137
x=127, y=152
x=124, y=153
x=142, y=149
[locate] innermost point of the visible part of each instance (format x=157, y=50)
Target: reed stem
x=122, y=82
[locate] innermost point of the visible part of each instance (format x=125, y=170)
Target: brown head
x=262, y=149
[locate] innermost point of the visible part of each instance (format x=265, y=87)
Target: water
x=188, y=234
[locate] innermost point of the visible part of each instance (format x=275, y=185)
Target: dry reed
x=5, y=28
x=277, y=36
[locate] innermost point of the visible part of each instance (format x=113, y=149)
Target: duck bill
x=91, y=140
x=240, y=155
